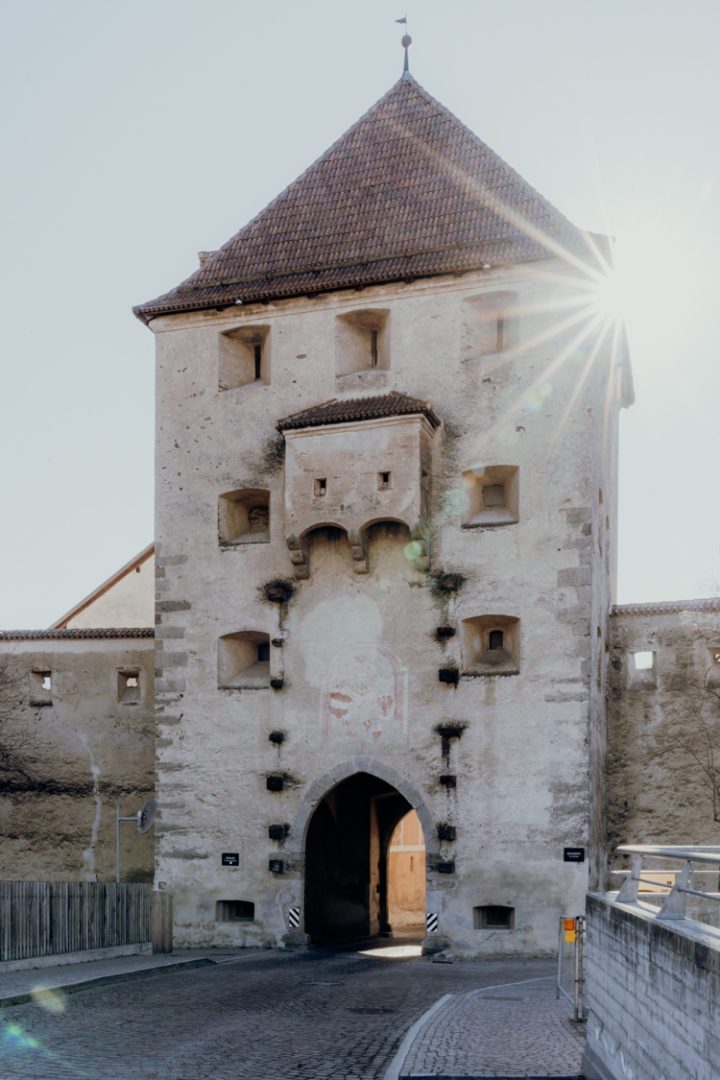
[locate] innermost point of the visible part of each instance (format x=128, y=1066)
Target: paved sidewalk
x=17, y=987
x=511, y=1030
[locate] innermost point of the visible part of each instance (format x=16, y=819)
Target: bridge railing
x=681, y=881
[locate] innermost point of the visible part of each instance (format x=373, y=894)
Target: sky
x=135, y=135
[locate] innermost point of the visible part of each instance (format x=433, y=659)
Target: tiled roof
x=366, y=408
x=661, y=607
x=407, y=192
x=77, y=634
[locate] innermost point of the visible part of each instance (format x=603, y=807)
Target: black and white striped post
x=431, y=922
x=293, y=918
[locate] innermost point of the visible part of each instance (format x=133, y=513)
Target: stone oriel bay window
x=244, y=516
x=244, y=660
x=351, y=464
x=491, y=645
x=243, y=357
x=491, y=496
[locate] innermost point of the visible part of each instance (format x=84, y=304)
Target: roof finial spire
x=406, y=42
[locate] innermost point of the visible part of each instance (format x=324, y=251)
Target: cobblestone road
x=518, y=1029
x=306, y=1015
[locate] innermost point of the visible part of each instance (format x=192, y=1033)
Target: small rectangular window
x=320, y=486
x=494, y=917
x=496, y=639
x=234, y=911
x=257, y=355
x=493, y=495
x=642, y=668
x=374, y=348
x=41, y=686
x=128, y=686
x=263, y=652
x=384, y=481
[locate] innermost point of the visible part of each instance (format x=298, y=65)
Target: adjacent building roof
x=408, y=191
x=134, y=564
x=365, y=408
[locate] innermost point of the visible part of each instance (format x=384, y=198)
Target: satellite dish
x=146, y=816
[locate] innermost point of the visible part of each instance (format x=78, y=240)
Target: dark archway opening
x=346, y=860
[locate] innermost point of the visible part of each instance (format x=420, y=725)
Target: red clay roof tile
x=407, y=192
x=365, y=408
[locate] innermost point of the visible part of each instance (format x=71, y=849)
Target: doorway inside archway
x=356, y=881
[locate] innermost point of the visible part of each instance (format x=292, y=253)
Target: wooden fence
x=45, y=918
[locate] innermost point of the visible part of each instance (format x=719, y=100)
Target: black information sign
x=230, y=858
x=574, y=854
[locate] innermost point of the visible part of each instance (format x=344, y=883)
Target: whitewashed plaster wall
x=663, y=723
x=529, y=761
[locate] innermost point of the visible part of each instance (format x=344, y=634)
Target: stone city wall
x=663, y=771
x=76, y=736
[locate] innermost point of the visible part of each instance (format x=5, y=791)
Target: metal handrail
x=673, y=907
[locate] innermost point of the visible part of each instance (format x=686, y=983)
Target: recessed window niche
x=41, y=689
x=243, y=357
x=244, y=516
x=491, y=645
x=642, y=668
x=234, y=911
x=361, y=341
x=128, y=686
x=491, y=496
x=489, y=323
x=494, y=917
x=713, y=678
x=244, y=660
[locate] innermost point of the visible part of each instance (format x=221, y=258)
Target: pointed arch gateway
x=361, y=873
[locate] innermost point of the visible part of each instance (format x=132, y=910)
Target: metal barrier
x=570, y=975
x=684, y=880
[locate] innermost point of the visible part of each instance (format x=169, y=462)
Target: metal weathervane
x=406, y=42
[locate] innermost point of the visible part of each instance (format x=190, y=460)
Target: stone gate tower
x=386, y=488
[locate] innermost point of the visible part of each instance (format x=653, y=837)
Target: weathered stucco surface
x=66, y=760
x=664, y=724
x=355, y=657
x=129, y=601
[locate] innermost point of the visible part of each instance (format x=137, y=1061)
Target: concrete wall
x=653, y=990
x=526, y=749
x=664, y=724
x=68, y=754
